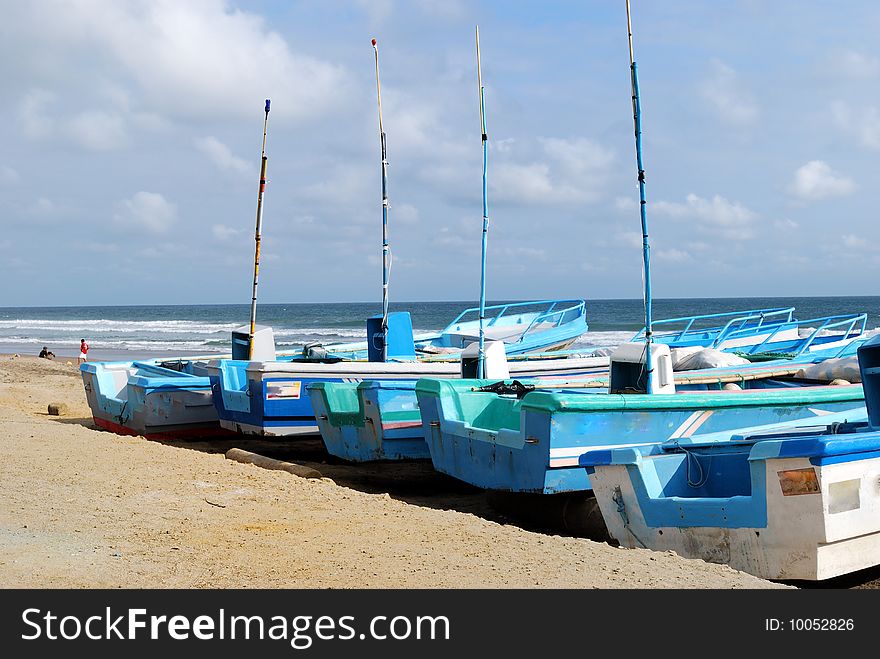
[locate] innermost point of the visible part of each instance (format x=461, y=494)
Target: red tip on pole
x=374, y=42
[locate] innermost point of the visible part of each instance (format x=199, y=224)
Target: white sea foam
x=126, y=326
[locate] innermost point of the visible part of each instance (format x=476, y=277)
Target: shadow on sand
x=415, y=482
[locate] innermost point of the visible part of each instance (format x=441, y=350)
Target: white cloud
x=347, y=184
x=730, y=220
x=816, y=180
x=97, y=131
x=32, y=113
x=854, y=64
x=671, y=255
x=221, y=156
x=852, y=241
x=625, y=203
x=185, y=58
x=405, y=214
x=146, y=211
x=42, y=207
x=161, y=250
x=724, y=93
x=415, y=126
x=630, y=239
x=224, y=233
x=698, y=246
x=864, y=124
x=785, y=224
x=8, y=176
x=444, y=9
x=377, y=11
x=555, y=171
x=520, y=253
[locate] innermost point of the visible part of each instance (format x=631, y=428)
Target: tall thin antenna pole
x=257, y=236
x=646, y=248
x=481, y=358
x=385, y=249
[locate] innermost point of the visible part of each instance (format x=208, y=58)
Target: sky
x=130, y=144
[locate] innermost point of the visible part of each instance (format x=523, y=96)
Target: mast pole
x=481, y=358
x=385, y=248
x=646, y=248
x=257, y=237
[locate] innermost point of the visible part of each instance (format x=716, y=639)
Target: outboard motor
x=627, y=369
x=315, y=351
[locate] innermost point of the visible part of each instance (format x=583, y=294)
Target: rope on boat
x=617, y=498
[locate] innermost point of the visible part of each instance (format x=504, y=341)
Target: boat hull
x=133, y=398
x=768, y=509
x=371, y=421
x=270, y=398
x=533, y=444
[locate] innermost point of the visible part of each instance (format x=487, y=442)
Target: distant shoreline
x=96, y=355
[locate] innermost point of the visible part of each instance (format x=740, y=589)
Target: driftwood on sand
x=240, y=455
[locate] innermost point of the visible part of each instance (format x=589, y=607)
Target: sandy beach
x=84, y=508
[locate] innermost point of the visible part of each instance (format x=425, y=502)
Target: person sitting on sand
x=45, y=353
x=83, y=351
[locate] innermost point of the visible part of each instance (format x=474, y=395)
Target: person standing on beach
x=83, y=351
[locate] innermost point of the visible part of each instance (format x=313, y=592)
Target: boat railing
x=738, y=320
x=854, y=325
x=550, y=311
x=561, y=317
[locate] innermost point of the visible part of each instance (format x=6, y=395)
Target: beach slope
x=83, y=508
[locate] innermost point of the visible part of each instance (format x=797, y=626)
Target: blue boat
x=380, y=420
x=800, y=504
x=758, y=331
x=523, y=327
x=373, y=420
x=271, y=399
x=158, y=400
x=532, y=444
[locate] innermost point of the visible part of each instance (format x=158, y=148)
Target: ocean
x=137, y=332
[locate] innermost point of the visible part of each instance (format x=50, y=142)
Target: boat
x=371, y=421
x=523, y=327
x=532, y=444
x=158, y=400
x=380, y=419
x=772, y=331
x=270, y=398
x=797, y=505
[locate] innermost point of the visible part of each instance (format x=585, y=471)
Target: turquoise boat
x=533, y=444
x=373, y=420
x=381, y=420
